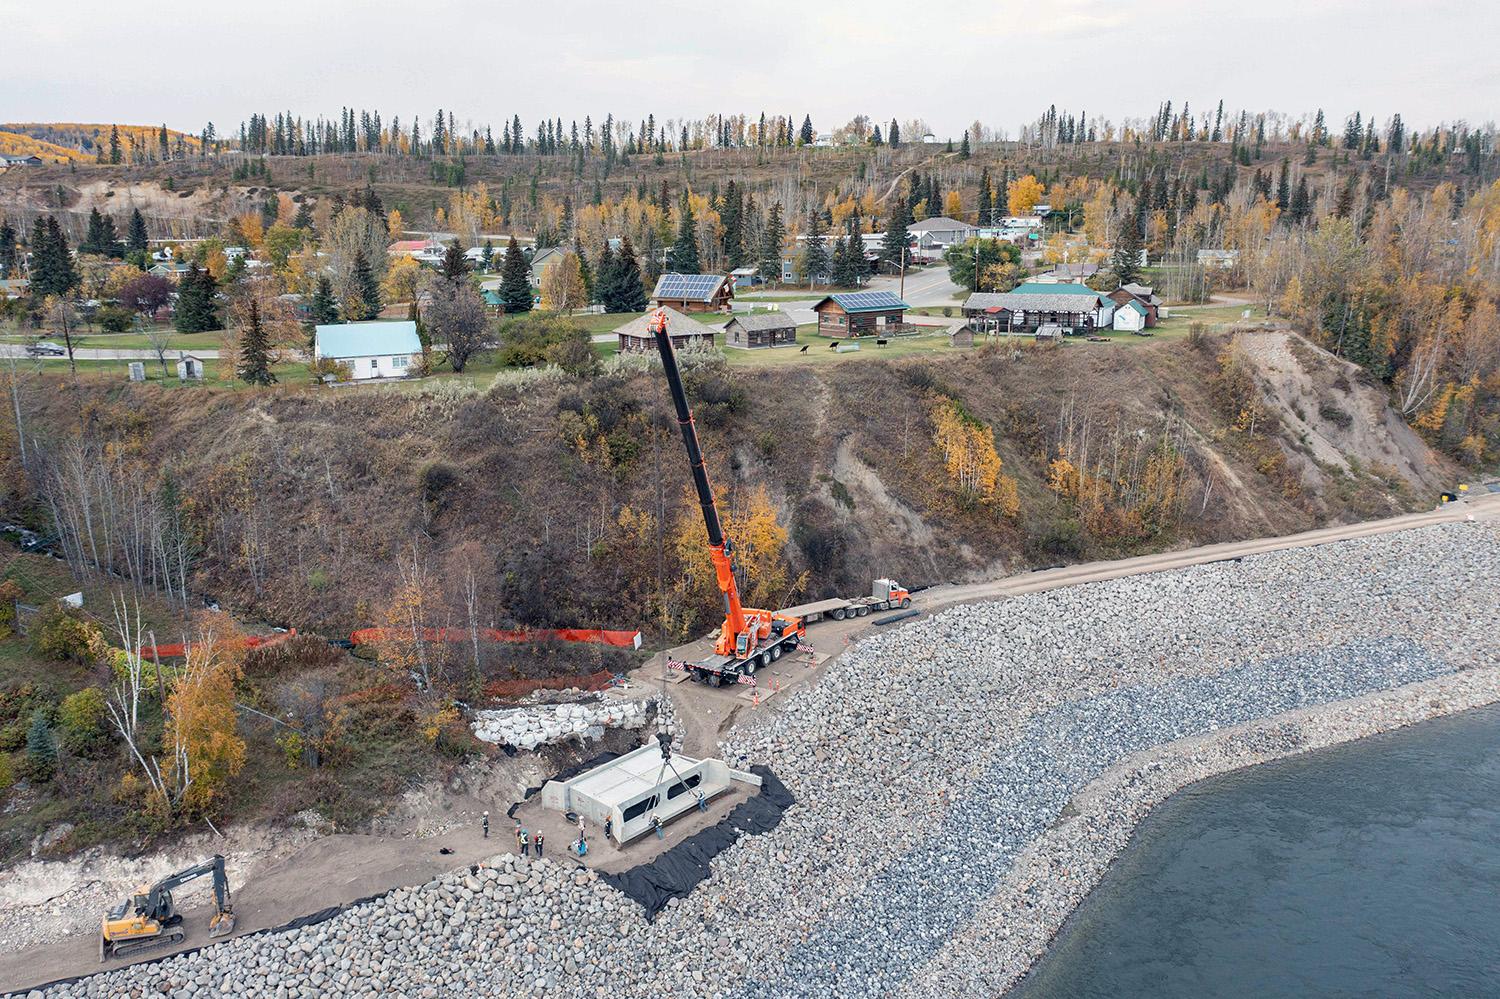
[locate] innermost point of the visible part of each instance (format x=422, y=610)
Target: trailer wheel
x=776, y=653
x=714, y=679
x=838, y=614
x=905, y=602
x=863, y=610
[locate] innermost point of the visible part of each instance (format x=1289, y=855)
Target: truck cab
x=890, y=591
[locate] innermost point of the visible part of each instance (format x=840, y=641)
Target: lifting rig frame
x=749, y=638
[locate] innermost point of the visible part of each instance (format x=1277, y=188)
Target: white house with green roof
x=371, y=350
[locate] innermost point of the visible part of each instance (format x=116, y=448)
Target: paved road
x=708, y=712
x=109, y=353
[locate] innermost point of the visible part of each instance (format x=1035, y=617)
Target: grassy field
x=122, y=341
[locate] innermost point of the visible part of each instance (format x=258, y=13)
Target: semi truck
x=885, y=594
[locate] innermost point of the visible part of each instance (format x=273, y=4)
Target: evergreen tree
x=815, y=252
x=455, y=265
x=93, y=238
x=135, y=240
x=605, y=276
x=806, y=136
x=41, y=748
x=487, y=257
x=114, y=144
x=584, y=270
x=963, y=148
x=304, y=217
x=683, y=257
x=1284, y=187
x=628, y=292
x=196, y=305
x=894, y=248
x=893, y=136
x=255, y=351
x=52, y=270
x=770, y=245
x=846, y=267
x=515, y=280
x=1126, y=261
x=8, y=254
x=325, y=305
x=732, y=216
x=986, y=202
x=876, y=139
x=366, y=286
x=1301, y=209
x=1344, y=206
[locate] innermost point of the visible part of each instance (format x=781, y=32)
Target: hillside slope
x=568, y=499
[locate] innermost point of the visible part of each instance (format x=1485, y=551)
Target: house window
x=374, y=364
x=399, y=361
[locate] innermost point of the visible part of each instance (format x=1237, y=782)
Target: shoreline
x=1054, y=874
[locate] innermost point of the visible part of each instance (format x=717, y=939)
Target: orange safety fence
x=180, y=649
x=619, y=639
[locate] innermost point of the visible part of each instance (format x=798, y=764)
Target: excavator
x=748, y=638
x=148, y=919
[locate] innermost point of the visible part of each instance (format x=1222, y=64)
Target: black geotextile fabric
x=566, y=774
x=677, y=871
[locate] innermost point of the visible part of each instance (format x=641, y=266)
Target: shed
x=745, y=277
x=189, y=368
x=769, y=329
x=1142, y=294
x=861, y=313
x=685, y=331
x=372, y=350
x=693, y=292
x=638, y=790
x=963, y=336
x=1130, y=317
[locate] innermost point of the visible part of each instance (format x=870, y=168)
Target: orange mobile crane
x=749, y=638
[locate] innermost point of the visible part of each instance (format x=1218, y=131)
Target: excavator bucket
x=221, y=925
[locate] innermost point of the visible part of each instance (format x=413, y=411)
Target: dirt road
x=708, y=712
x=341, y=868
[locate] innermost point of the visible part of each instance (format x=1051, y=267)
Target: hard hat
x=486, y=813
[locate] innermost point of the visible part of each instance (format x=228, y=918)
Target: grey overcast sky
x=947, y=61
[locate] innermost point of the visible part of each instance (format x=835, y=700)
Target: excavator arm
x=720, y=550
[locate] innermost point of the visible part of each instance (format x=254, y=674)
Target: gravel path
x=962, y=782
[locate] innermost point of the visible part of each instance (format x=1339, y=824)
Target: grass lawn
x=290, y=373
x=820, y=349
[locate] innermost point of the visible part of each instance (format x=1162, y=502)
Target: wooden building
x=1127, y=293
x=769, y=329
x=1076, y=309
x=861, y=313
x=636, y=338
x=694, y=292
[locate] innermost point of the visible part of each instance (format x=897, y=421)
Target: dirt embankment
x=568, y=502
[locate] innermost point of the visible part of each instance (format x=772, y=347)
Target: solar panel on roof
x=699, y=287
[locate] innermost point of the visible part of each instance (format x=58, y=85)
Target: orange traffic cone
x=755, y=697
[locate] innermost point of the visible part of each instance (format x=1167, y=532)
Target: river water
x=1369, y=869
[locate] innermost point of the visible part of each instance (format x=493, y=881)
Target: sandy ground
x=275, y=880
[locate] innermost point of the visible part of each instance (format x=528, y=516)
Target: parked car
x=46, y=349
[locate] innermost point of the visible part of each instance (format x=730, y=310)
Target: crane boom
x=721, y=551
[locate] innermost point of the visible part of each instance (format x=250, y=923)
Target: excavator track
x=132, y=948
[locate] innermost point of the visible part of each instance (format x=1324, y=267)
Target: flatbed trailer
x=885, y=594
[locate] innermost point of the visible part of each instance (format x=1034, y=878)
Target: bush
x=61, y=634
x=115, y=318
x=12, y=737
x=10, y=592
x=340, y=370
x=81, y=718
x=1335, y=415
x=7, y=773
